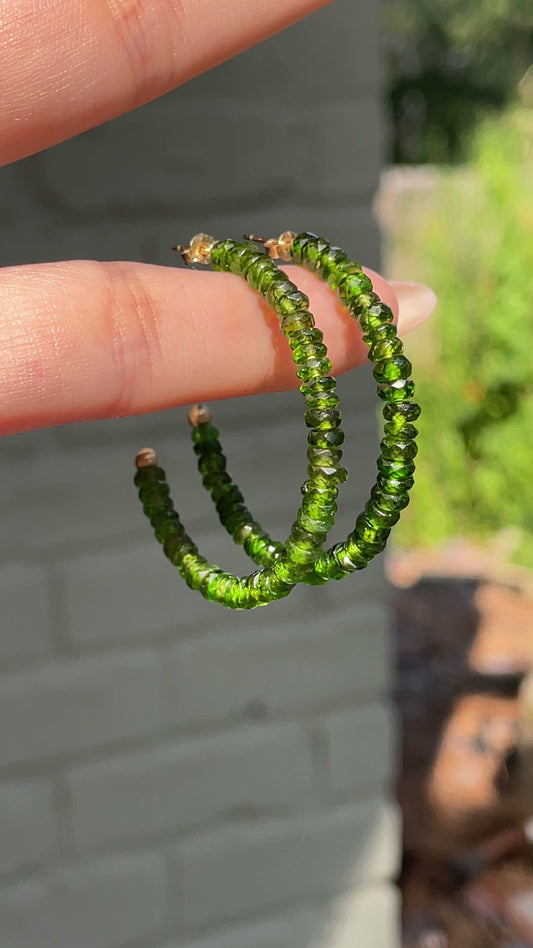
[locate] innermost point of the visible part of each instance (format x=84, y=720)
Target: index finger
x=67, y=67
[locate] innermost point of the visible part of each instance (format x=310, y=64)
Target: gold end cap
x=146, y=458
x=199, y=415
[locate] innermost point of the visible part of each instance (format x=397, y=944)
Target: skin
x=82, y=340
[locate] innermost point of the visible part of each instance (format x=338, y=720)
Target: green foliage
x=475, y=378
x=450, y=61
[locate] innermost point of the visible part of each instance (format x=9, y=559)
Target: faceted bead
x=279, y=289
x=359, y=305
x=236, y=518
x=398, y=391
x=284, y=571
x=166, y=528
x=323, y=494
x=400, y=470
x=254, y=274
x=381, y=333
x=349, y=559
x=314, y=369
x=325, y=439
x=387, y=500
x=303, y=354
x=326, y=476
x=211, y=463
x=312, y=251
x=207, y=448
x=329, y=264
x=323, y=418
x=172, y=548
x=326, y=568
x=356, y=552
x=327, y=457
x=322, y=400
x=299, y=244
x=290, y=303
x=390, y=370
x=296, y=322
x=221, y=253
x=266, y=280
x=401, y=428
x=408, y=410
x=354, y=283
x=305, y=337
x=380, y=517
x=375, y=315
x=316, y=527
x=395, y=485
x=317, y=385
x=385, y=349
x=204, y=432
x=239, y=258
x=398, y=450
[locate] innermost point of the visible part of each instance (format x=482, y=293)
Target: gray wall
x=172, y=774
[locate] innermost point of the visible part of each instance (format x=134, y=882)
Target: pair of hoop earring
x=302, y=557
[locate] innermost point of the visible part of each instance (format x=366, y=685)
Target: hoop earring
x=301, y=558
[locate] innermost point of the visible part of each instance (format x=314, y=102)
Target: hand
x=84, y=340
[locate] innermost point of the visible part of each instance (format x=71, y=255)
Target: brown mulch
x=464, y=634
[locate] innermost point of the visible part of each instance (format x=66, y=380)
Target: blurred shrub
x=449, y=61
x=475, y=375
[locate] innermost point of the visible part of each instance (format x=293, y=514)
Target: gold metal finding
x=199, y=249
x=277, y=248
x=199, y=415
x=146, y=458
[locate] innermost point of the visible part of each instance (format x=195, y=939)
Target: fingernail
x=416, y=303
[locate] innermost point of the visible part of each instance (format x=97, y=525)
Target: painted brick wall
x=172, y=775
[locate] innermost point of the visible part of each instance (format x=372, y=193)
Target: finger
x=85, y=340
x=69, y=66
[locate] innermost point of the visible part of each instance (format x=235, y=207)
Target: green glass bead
x=359, y=306
x=356, y=551
x=369, y=534
x=375, y=315
x=216, y=480
x=355, y=282
x=386, y=349
x=172, y=548
x=326, y=476
x=322, y=400
x=315, y=386
x=323, y=418
x=279, y=289
x=224, y=489
x=304, y=354
x=329, y=264
x=296, y=322
x=400, y=470
x=398, y=391
x=400, y=428
x=318, y=528
x=327, y=568
x=387, y=500
x=167, y=528
x=236, y=518
x=326, y=457
x=240, y=257
x=207, y=449
x=398, y=450
x=306, y=337
x=221, y=253
x=266, y=280
x=381, y=517
x=349, y=559
x=312, y=250
x=389, y=370
x=204, y=432
x=326, y=439
x=299, y=244
x=254, y=274
x=291, y=303
x=314, y=369
x=395, y=485
x=326, y=493
x=381, y=334
x=211, y=463
x=409, y=411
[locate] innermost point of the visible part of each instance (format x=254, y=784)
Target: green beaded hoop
x=302, y=557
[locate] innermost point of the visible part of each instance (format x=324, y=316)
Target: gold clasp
x=199, y=249
x=277, y=248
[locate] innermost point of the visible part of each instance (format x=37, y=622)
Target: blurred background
x=175, y=775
